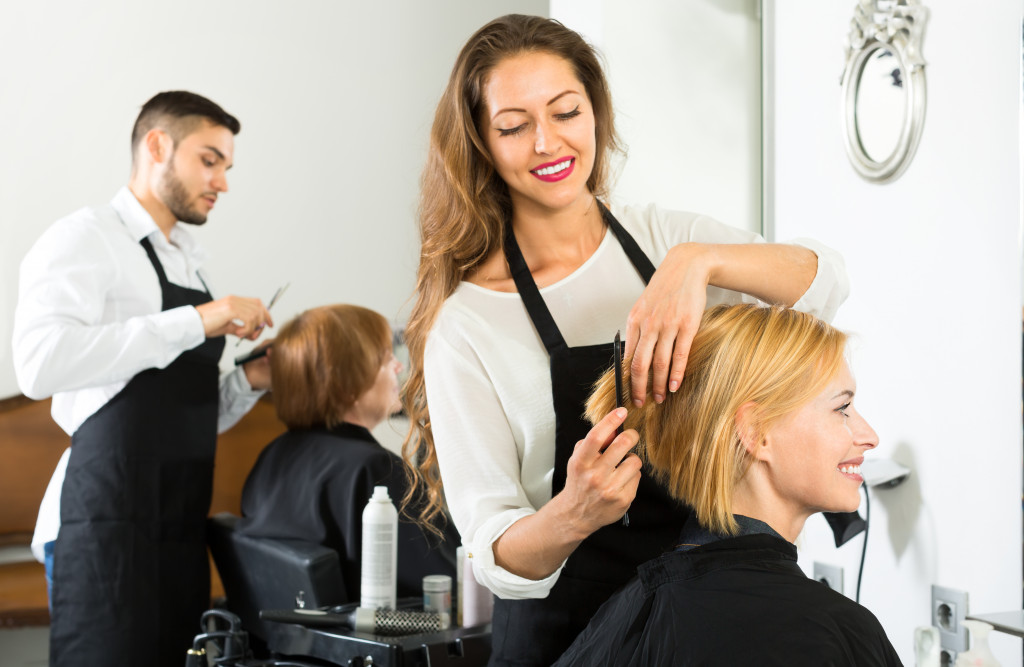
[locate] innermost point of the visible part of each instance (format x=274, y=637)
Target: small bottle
x=437, y=593
x=378, y=572
x=475, y=602
x=979, y=655
x=927, y=646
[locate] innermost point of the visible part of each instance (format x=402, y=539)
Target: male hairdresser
x=115, y=320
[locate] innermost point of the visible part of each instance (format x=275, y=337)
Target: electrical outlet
x=949, y=609
x=830, y=575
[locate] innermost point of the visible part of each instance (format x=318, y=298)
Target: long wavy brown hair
x=465, y=206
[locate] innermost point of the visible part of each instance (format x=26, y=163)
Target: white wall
x=935, y=265
x=685, y=80
x=335, y=100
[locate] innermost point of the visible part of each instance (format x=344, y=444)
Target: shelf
x=1010, y=622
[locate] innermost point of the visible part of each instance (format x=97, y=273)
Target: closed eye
x=842, y=409
x=512, y=131
x=569, y=115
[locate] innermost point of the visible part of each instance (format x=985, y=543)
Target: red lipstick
x=551, y=169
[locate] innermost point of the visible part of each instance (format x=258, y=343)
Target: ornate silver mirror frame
x=882, y=29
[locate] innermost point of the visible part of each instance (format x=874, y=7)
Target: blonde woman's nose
x=864, y=434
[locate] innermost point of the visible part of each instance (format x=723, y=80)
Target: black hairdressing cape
x=314, y=484
x=734, y=601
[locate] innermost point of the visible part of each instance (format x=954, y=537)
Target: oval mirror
x=881, y=104
x=884, y=88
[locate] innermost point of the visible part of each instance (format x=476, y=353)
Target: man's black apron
x=131, y=575
x=536, y=632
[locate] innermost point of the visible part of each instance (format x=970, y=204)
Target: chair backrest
x=264, y=573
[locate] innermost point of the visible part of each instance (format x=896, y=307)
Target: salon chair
x=264, y=573
x=276, y=574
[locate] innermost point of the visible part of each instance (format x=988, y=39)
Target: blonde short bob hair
x=774, y=357
x=323, y=360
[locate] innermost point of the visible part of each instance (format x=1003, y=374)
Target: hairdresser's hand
x=665, y=319
x=257, y=371
x=236, y=315
x=600, y=485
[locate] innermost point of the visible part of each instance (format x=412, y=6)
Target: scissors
x=270, y=304
x=618, y=376
x=617, y=344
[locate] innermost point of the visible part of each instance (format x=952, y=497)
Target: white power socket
x=949, y=609
x=830, y=575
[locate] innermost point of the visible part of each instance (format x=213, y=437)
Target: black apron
x=131, y=575
x=538, y=631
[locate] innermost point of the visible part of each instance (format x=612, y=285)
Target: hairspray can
x=380, y=552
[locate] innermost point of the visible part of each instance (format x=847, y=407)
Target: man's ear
x=158, y=145
x=748, y=431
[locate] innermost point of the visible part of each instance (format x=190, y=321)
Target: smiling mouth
x=554, y=168
x=554, y=171
x=851, y=471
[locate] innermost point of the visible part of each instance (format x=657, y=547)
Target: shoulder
x=87, y=240
x=615, y=632
x=651, y=224
x=84, y=230
x=473, y=317
x=640, y=216
x=319, y=445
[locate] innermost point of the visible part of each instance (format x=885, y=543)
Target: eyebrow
x=550, y=102
x=848, y=393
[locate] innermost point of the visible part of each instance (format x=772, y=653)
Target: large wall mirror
x=883, y=87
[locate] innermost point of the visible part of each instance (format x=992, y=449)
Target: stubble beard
x=176, y=198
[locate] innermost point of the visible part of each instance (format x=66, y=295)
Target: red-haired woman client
x=761, y=435
x=335, y=378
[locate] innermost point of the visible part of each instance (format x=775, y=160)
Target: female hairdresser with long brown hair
x=524, y=278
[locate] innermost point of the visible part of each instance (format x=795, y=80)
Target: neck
x=354, y=415
x=145, y=194
x=754, y=497
x=556, y=243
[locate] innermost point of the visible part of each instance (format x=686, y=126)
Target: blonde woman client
x=526, y=272
x=761, y=434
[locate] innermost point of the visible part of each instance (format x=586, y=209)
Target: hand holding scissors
x=270, y=304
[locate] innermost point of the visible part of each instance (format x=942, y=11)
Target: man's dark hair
x=178, y=112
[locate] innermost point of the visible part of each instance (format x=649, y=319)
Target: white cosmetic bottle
x=927, y=646
x=380, y=552
x=979, y=655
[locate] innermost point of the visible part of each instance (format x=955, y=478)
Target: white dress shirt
x=488, y=380
x=89, y=319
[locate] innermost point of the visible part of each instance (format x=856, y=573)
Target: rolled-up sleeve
x=831, y=285
x=826, y=292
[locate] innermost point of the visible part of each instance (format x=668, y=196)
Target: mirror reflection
x=881, y=104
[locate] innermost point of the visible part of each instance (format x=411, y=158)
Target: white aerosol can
x=380, y=552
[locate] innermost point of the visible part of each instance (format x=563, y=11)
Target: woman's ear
x=748, y=432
